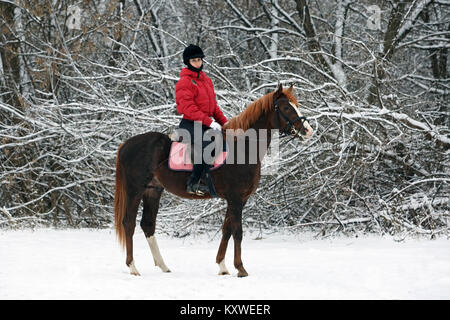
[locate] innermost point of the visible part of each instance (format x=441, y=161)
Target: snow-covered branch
x=69, y=97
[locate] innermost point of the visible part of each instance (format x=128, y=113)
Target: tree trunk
x=9, y=52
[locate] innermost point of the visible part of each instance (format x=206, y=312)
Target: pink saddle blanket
x=180, y=160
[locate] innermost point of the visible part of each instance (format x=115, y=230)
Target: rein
x=290, y=127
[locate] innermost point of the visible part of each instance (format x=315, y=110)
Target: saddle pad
x=180, y=160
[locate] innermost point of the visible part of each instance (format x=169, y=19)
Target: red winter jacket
x=196, y=99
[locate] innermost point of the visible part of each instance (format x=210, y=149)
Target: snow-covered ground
x=88, y=264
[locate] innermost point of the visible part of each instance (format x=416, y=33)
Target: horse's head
x=287, y=116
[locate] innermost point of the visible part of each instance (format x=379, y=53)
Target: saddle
x=181, y=156
x=181, y=159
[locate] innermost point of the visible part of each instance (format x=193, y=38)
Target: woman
x=196, y=101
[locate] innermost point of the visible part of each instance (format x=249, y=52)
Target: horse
x=143, y=173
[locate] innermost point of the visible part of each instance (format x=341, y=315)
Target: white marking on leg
x=133, y=269
x=156, y=254
x=222, y=268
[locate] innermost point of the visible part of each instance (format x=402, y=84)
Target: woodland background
x=79, y=77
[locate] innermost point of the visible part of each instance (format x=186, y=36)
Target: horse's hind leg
x=148, y=223
x=129, y=223
x=226, y=234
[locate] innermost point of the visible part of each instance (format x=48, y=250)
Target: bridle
x=289, y=129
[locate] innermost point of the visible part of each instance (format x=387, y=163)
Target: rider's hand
x=214, y=125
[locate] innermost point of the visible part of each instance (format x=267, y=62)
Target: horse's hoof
x=133, y=269
x=242, y=274
x=222, y=268
x=164, y=268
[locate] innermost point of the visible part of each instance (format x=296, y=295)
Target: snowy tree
x=372, y=77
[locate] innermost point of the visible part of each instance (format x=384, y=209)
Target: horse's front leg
x=232, y=226
x=236, y=223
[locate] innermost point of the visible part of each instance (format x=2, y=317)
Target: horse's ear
x=291, y=89
x=279, y=92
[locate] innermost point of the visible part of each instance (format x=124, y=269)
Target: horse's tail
x=120, y=203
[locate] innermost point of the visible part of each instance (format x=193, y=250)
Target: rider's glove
x=214, y=125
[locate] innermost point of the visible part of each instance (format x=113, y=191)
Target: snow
x=88, y=264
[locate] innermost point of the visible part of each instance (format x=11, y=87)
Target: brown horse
x=142, y=173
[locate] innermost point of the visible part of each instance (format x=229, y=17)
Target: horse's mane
x=253, y=111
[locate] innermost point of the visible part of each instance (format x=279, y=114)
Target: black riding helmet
x=192, y=51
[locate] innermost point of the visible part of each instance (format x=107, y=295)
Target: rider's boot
x=194, y=184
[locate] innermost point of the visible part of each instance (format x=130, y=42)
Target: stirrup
x=197, y=189
x=210, y=185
